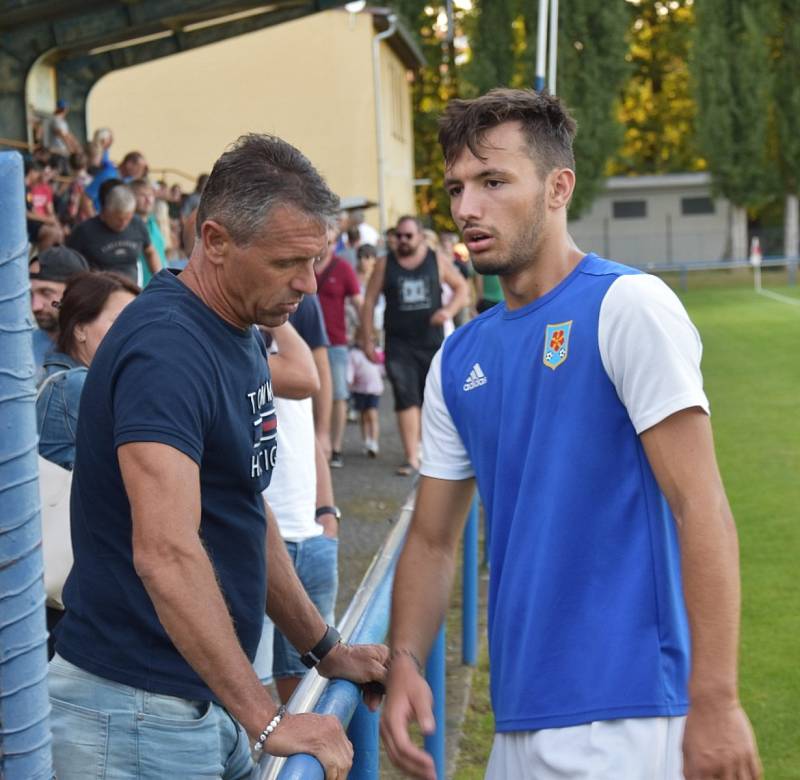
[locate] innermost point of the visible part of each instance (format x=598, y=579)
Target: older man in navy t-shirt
x=176, y=441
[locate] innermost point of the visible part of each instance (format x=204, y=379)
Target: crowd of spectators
x=115, y=214
x=99, y=231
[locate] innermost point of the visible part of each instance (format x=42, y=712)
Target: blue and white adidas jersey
x=543, y=405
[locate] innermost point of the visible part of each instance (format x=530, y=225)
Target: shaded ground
x=369, y=494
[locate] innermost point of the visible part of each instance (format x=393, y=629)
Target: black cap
x=58, y=263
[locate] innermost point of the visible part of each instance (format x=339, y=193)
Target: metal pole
x=435, y=674
x=363, y=733
x=24, y=704
x=469, y=589
x=376, y=79
x=553, y=53
x=541, y=46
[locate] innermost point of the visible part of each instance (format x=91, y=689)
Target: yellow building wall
x=308, y=81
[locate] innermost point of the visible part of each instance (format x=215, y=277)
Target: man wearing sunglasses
x=411, y=280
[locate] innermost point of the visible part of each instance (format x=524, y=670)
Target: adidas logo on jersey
x=475, y=379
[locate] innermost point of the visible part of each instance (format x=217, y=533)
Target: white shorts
x=627, y=749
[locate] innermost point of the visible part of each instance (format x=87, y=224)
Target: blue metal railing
x=367, y=620
x=24, y=705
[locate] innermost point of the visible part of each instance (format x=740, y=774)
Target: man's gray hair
x=120, y=200
x=256, y=174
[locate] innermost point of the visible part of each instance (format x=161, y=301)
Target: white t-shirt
x=292, y=493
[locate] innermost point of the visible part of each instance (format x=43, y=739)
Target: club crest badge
x=556, y=344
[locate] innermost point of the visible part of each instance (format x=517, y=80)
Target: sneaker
x=371, y=448
x=336, y=461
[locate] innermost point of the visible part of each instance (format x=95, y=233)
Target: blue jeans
x=103, y=730
x=316, y=563
x=338, y=358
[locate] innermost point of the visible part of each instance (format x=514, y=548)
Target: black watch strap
x=328, y=510
x=322, y=648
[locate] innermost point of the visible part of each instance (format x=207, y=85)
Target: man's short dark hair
x=253, y=176
x=409, y=218
x=546, y=123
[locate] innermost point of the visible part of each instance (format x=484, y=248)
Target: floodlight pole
x=541, y=46
x=553, y=50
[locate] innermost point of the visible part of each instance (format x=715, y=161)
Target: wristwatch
x=328, y=510
x=322, y=648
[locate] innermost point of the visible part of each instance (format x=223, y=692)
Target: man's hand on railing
x=321, y=736
x=365, y=665
x=408, y=699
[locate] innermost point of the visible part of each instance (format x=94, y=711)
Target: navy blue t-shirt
x=309, y=323
x=171, y=371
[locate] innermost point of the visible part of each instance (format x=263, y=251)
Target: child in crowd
x=366, y=387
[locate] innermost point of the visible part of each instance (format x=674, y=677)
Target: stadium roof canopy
x=85, y=39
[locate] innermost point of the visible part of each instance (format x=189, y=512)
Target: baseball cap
x=61, y=105
x=58, y=263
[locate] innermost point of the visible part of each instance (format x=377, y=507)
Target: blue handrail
x=366, y=621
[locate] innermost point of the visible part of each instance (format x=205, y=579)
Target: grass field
x=751, y=366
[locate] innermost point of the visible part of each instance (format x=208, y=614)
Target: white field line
x=778, y=297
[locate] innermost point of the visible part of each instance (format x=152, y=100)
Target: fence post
x=435, y=674
x=363, y=733
x=24, y=704
x=469, y=588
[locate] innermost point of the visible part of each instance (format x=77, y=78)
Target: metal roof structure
x=84, y=40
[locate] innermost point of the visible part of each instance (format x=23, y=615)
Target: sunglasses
x=405, y=235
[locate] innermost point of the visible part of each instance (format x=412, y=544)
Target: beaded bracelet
x=270, y=727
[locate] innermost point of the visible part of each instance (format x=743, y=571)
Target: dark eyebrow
x=485, y=174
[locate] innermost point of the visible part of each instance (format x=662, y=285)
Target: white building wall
x=665, y=235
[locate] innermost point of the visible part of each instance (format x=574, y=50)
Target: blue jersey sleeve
x=162, y=392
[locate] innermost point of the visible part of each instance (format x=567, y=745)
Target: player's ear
x=561, y=185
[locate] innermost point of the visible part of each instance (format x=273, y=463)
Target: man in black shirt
x=411, y=279
x=114, y=239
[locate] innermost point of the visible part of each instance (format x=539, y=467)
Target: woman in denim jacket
x=91, y=303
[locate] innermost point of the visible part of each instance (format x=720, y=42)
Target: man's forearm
x=710, y=565
x=420, y=596
x=190, y=606
x=288, y=603
x=322, y=400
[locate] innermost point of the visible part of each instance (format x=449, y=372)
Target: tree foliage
x=657, y=108
x=434, y=86
x=591, y=72
x=733, y=86
x=786, y=92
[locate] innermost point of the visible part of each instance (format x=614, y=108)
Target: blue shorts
x=364, y=401
x=104, y=729
x=337, y=357
x=316, y=563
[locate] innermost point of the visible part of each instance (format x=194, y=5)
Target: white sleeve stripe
x=650, y=350
x=443, y=453
x=678, y=404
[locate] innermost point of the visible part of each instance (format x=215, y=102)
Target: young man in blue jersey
x=613, y=549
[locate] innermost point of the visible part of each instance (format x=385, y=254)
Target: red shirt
x=42, y=199
x=336, y=282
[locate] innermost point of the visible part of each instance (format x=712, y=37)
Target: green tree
x=434, y=86
x=657, y=108
x=786, y=103
x=591, y=72
x=494, y=57
x=733, y=87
